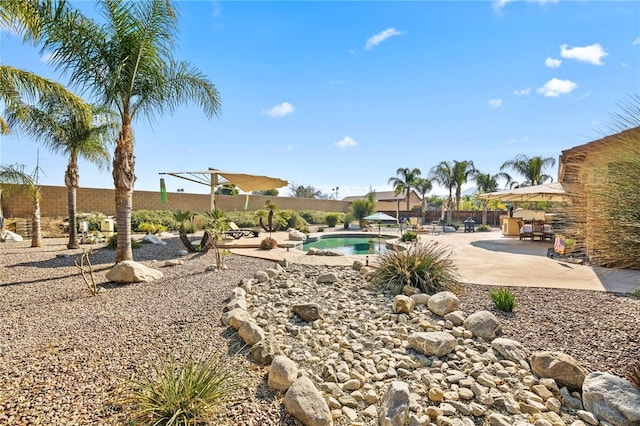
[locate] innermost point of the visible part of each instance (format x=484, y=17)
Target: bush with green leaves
x=426, y=266
x=313, y=217
x=294, y=220
x=244, y=219
x=504, y=299
x=151, y=228
x=112, y=243
x=157, y=217
x=332, y=219
x=483, y=228
x=409, y=236
x=184, y=392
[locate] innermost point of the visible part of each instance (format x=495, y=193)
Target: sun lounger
x=236, y=233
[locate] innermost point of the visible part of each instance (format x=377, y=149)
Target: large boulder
x=265, y=351
x=432, y=343
x=129, y=271
x=327, y=278
x=611, y=398
x=403, y=304
x=559, y=366
x=250, y=332
x=482, y=324
x=282, y=373
x=443, y=302
x=308, y=311
x=510, y=349
x=10, y=237
x=304, y=402
x=295, y=235
x=394, y=407
x=153, y=239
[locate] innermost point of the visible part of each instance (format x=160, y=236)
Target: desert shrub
x=633, y=373
x=157, y=217
x=313, y=217
x=184, y=392
x=504, y=299
x=294, y=220
x=268, y=244
x=112, y=243
x=94, y=219
x=483, y=228
x=426, y=266
x=347, y=220
x=409, y=236
x=332, y=219
x=146, y=227
x=244, y=219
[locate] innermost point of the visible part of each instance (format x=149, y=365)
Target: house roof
x=382, y=196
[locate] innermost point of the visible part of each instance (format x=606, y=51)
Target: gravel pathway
x=65, y=356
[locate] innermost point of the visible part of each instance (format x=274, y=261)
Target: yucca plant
x=504, y=299
x=426, y=266
x=183, y=393
x=633, y=373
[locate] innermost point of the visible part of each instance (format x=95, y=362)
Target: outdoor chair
x=537, y=229
x=526, y=230
x=236, y=233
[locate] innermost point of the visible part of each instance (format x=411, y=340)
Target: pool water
x=347, y=245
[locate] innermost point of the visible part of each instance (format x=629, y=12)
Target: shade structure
x=545, y=192
x=246, y=182
x=380, y=217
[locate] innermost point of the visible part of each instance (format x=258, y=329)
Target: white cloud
x=522, y=92
x=555, y=87
x=592, y=54
x=496, y=103
x=288, y=148
x=381, y=36
x=499, y=4
x=346, y=142
x=636, y=41
x=553, y=63
x=280, y=110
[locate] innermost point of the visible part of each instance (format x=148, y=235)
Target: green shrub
x=483, y=228
x=504, y=299
x=268, y=244
x=146, y=227
x=347, y=220
x=313, y=217
x=112, y=243
x=183, y=393
x=409, y=236
x=294, y=220
x=332, y=219
x=157, y=217
x=244, y=219
x=426, y=266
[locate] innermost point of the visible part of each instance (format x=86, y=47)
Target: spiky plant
x=504, y=299
x=426, y=266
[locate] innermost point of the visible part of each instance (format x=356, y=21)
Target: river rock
x=394, y=407
x=559, y=366
x=304, y=402
x=129, y=271
x=282, y=373
x=482, y=324
x=443, y=302
x=432, y=343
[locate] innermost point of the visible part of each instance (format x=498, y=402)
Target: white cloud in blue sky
x=556, y=87
x=280, y=110
x=636, y=41
x=381, y=36
x=592, y=54
x=553, y=63
x=522, y=92
x=496, y=103
x=499, y=4
x=346, y=142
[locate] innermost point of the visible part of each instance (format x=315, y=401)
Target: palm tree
x=403, y=182
x=127, y=64
x=442, y=173
x=14, y=178
x=63, y=131
x=423, y=185
x=462, y=171
x=485, y=182
x=532, y=169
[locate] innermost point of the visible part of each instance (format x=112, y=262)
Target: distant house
x=389, y=201
x=601, y=178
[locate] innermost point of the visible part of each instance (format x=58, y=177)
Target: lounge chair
x=236, y=233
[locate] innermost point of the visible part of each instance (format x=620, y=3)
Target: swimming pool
x=348, y=244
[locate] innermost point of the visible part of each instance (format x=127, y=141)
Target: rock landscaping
x=363, y=356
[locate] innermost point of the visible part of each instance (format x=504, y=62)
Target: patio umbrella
x=244, y=181
x=545, y=192
x=380, y=217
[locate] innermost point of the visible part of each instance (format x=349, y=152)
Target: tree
x=63, y=131
x=531, y=169
x=268, y=192
x=404, y=181
x=227, y=189
x=14, y=178
x=485, y=182
x=363, y=208
x=127, y=64
x=423, y=186
x=302, y=191
x=442, y=173
x=462, y=171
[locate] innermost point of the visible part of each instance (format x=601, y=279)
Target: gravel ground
x=65, y=356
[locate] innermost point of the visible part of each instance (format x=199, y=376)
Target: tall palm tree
x=485, y=182
x=14, y=179
x=404, y=181
x=423, y=185
x=531, y=169
x=127, y=64
x=442, y=173
x=63, y=131
x=462, y=171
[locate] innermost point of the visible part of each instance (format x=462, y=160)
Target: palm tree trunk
x=185, y=239
x=71, y=181
x=484, y=212
x=36, y=235
x=123, y=178
x=408, y=199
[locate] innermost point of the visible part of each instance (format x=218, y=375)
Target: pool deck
x=481, y=258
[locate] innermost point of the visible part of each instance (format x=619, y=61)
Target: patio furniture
x=526, y=230
x=236, y=233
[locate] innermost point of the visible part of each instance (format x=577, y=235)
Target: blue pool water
x=347, y=244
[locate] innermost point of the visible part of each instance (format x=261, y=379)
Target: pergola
x=214, y=177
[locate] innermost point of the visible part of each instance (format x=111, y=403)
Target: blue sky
x=343, y=93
